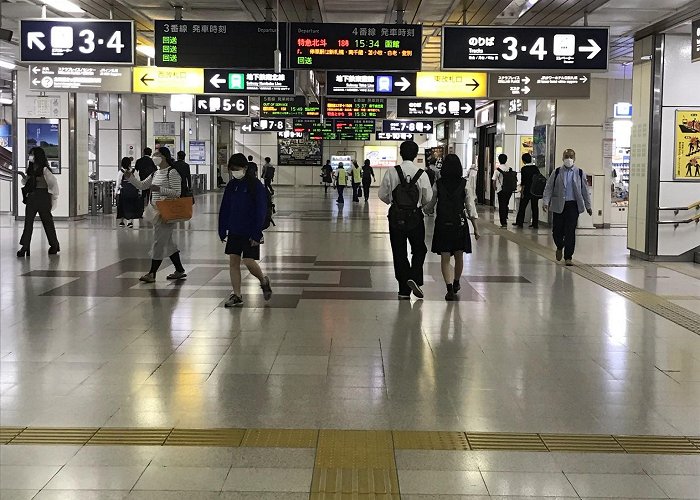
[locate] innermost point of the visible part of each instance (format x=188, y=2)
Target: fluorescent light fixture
x=5, y=100
x=7, y=64
x=63, y=6
x=146, y=50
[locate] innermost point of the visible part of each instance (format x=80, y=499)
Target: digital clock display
x=355, y=46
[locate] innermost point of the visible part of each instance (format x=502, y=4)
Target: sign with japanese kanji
x=236, y=81
x=375, y=84
x=357, y=107
x=420, y=127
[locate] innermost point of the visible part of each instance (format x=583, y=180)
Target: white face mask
x=238, y=174
x=568, y=162
x=31, y=158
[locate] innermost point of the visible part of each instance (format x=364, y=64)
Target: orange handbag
x=176, y=209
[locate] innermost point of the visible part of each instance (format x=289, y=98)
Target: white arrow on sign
x=428, y=127
x=35, y=81
x=35, y=70
x=403, y=84
x=466, y=108
x=584, y=79
x=34, y=40
x=593, y=48
x=526, y=80
x=526, y=90
x=202, y=104
x=216, y=80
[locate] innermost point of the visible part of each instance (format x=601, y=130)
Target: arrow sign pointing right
x=466, y=108
x=216, y=80
x=526, y=80
x=403, y=84
x=526, y=90
x=474, y=85
x=34, y=40
x=593, y=48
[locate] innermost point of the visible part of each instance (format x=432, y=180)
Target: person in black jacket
x=367, y=178
x=145, y=167
x=183, y=168
x=527, y=173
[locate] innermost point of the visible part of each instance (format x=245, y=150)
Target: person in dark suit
x=145, y=167
x=183, y=168
x=527, y=173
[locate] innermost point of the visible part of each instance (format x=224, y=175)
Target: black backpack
x=404, y=213
x=510, y=181
x=539, y=183
x=253, y=190
x=451, y=205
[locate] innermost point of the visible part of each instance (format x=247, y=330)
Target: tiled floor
x=530, y=347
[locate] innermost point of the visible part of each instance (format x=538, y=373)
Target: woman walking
x=40, y=194
x=241, y=221
x=129, y=201
x=165, y=184
x=367, y=178
x=455, y=204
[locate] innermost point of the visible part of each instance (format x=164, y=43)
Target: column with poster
x=687, y=155
x=526, y=145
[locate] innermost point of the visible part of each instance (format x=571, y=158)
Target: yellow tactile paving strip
x=349, y=449
x=655, y=303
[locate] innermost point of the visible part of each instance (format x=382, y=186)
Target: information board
x=354, y=130
x=299, y=151
x=695, y=41
x=217, y=44
x=198, y=152
x=394, y=136
x=535, y=48
x=304, y=124
x=236, y=81
x=93, y=41
x=221, y=105
x=152, y=80
x=80, y=78
x=451, y=84
x=356, y=46
x=267, y=125
x=420, y=127
x=357, y=107
x=539, y=85
x=437, y=108
x=380, y=84
x=288, y=107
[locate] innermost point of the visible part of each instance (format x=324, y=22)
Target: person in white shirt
x=406, y=188
x=503, y=190
x=165, y=184
x=40, y=194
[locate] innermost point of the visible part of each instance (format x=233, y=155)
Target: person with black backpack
x=406, y=190
x=527, y=176
x=455, y=204
x=268, y=174
x=129, y=201
x=506, y=183
x=242, y=218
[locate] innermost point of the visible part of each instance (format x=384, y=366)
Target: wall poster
x=46, y=134
x=299, y=151
x=687, y=156
x=526, y=145
x=167, y=142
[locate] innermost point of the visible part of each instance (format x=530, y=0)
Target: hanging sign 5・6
x=525, y=47
x=93, y=41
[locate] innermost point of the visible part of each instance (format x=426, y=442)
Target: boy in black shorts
x=241, y=218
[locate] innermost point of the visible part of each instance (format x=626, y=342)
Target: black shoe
x=266, y=288
x=515, y=224
x=54, y=250
x=24, y=251
x=450, y=293
x=456, y=285
x=121, y=224
x=404, y=296
x=415, y=288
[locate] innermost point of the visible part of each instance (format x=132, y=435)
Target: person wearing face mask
x=567, y=196
x=40, y=194
x=165, y=184
x=241, y=222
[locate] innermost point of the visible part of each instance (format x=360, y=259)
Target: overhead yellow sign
x=451, y=84
x=152, y=80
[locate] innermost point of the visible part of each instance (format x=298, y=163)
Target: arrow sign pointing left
x=145, y=78
x=34, y=40
x=593, y=48
x=216, y=80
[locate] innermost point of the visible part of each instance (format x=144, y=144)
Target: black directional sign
x=217, y=44
x=539, y=86
x=236, y=81
x=695, y=41
x=393, y=136
x=383, y=47
x=376, y=84
x=525, y=47
x=420, y=127
x=267, y=124
x=435, y=108
x=221, y=105
x=288, y=107
x=80, y=78
x=77, y=41
x=354, y=107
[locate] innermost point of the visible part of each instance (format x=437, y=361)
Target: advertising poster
x=6, y=136
x=167, y=142
x=44, y=134
x=539, y=145
x=198, y=152
x=526, y=145
x=299, y=151
x=382, y=156
x=434, y=156
x=687, y=156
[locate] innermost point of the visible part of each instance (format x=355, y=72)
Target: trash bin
x=108, y=197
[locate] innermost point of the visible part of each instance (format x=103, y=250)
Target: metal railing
x=676, y=210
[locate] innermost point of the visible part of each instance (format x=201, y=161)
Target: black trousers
x=365, y=189
x=503, y=201
x=340, y=194
x=564, y=228
x=39, y=202
x=524, y=201
x=268, y=185
x=403, y=269
x=355, y=191
x=146, y=196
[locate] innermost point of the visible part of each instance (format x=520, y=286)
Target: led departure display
x=288, y=107
x=355, y=46
x=358, y=107
x=209, y=44
x=354, y=130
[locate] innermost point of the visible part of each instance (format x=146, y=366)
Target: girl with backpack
x=40, y=194
x=129, y=201
x=455, y=204
x=242, y=219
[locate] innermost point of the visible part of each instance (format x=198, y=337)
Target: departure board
x=288, y=107
x=354, y=130
x=357, y=107
x=355, y=46
x=325, y=130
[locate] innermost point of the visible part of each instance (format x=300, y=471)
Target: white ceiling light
x=5, y=100
x=146, y=50
x=7, y=64
x=63, y=6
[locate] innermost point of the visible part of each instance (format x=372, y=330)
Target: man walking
x=407, y=191
x=356, y=179
x=183, y=168
x=527, y=173
x=341, y=180
x=268, y=174
x=145, y=167
x=506, y=183
x=567, y=196
x=252, y=167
